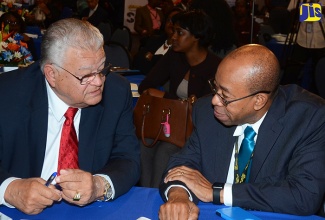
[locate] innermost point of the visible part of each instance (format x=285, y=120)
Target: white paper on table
x=4, y=217
x=134, y=89
x=32, y=35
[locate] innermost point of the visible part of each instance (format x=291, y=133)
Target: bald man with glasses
x=280, y=129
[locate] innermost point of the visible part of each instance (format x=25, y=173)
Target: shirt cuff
x=171, y=186
x=3, y=188
x=227, y=194
x=110, y=183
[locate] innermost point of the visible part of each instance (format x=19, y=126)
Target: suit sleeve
x=138, y=20
x=188, y=156
x=123, y=166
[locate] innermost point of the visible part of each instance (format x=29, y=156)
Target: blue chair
x=117, y=55
x=122, y=35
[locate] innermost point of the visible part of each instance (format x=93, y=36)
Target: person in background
x=156, y=46
x=94, y=14
x=148, y=20
x=184, y=5
x=279, y=16
x=309, y=45
x=98, y=157
x=256, y=145
x=186, y=67
x=17, y=25
x=45, y=12
x=225, y=39
x=243, y=24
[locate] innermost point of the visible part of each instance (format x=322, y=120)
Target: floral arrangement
x=13, y=52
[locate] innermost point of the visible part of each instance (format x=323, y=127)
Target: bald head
x=260, y=65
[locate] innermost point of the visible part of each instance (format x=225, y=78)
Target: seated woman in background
x=17, y=25
x=155, y=47
x=187, y=67
x=243, y=23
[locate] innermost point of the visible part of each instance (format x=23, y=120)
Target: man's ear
x=49, y=72
x=260, y=101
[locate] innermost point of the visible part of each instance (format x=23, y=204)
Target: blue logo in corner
x=310, y=12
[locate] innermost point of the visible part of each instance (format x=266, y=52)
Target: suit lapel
x=224, y=154
x=37, y=126
x=88, y=129
x=268, y=134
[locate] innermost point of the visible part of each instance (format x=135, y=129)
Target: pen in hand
x=50, y=179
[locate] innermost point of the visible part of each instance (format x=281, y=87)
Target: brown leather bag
x=151, y=112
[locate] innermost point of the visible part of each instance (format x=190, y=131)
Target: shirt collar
x=94, y=8
x=240, y=128
x=56, y=105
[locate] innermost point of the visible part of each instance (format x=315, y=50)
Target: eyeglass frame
x=109, y=66
x=224, y=101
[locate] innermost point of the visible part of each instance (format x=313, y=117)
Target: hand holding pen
x=50, y=179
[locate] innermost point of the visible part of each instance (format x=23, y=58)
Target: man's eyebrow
x=90, y=67
x=223, y=88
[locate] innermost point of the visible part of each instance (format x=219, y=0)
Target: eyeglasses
x=224, y=101
x=91, y=76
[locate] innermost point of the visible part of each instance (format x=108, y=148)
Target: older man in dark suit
x=281, y=130
x=71, y=75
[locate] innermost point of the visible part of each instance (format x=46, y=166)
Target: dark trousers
x=154, y=161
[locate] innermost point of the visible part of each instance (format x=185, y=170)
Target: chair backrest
x=117, y=54
x=106, y=29
x=66, y=13
x=320, y=77
x=123, y=36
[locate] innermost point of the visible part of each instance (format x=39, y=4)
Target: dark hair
x=198, y=23
x=223, y=19
x=20, y=21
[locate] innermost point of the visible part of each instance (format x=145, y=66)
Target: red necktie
x=68, y=154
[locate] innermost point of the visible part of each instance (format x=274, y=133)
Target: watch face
x=109, y=193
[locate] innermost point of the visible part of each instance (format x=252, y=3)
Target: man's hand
x=31, y=196
x=73, y=181
x=178, y=206
x=194, y=180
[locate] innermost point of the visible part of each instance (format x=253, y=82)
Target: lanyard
x=242, y=177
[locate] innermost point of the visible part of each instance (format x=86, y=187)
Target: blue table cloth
x=138, y=202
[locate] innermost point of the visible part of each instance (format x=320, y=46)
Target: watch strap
x=217, y=187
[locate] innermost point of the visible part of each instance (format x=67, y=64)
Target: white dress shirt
x=92, y=11
x=239, y=132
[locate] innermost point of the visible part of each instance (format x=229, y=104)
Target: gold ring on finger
x=77, y=196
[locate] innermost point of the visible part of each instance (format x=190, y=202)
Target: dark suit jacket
x=143, y=20
x=288, y=168
x=107, y=141
x=100, y=15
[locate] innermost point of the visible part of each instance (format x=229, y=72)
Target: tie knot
x=70, y=113
x=249, y=133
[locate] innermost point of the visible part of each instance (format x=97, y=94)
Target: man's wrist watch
x=217, y=187
x=108, y=192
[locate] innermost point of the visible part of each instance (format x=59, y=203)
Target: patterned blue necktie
x=246, y=149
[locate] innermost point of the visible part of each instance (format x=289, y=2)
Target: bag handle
x=145, y=111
